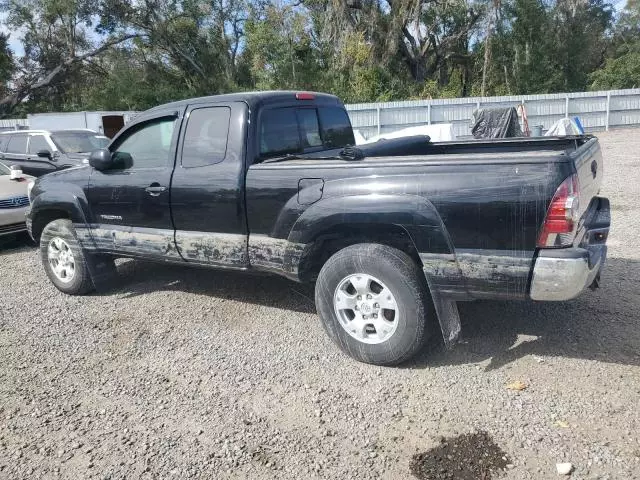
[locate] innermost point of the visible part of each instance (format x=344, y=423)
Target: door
x=130, y=202
x=207, y=200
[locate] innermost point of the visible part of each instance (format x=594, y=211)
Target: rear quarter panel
x=489, y=206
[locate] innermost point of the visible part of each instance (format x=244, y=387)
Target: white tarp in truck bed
x=441, y=132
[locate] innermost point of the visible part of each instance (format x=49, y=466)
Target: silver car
x=14, y=200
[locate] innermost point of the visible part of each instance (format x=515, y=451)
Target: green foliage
x=620, y=72
x=622, y=68
x=7, y=65
x=119, y=54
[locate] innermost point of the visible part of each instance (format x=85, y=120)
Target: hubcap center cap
x=366, y=308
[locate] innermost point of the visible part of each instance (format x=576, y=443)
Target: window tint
x=336, y=128
x=279, y=132
x=17, y=144
x=205, y=140
x=37, y=143
x=309, y=128
x=148, y=146
x=294, y=130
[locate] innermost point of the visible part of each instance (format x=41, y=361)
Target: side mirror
x=101, y=159
x=16, y=173
x=45, y=154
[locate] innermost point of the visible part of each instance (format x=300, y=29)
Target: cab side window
x=17, y=144
x=147, y=146
x=205, y=140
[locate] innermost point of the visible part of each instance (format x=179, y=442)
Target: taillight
x=557, y=230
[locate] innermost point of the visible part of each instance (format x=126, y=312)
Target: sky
x=14, y=39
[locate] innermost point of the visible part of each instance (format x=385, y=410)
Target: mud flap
x=448, y=316
x=102, y=270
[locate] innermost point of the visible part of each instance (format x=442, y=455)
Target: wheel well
x=337, y=238
x=43, y=218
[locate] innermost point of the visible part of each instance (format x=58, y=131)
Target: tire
x=399, y=329
x=60, y=236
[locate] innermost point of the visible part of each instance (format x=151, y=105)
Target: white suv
x=37, y=152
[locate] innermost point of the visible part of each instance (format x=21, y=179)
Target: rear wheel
x=372, y=300
x=63, y=259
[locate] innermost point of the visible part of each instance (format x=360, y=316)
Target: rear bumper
x=563, y=277
x=563, y=274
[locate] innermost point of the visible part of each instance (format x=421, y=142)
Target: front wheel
x=372, y=300
x=63, y=258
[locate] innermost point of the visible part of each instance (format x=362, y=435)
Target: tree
x=82, y=54
x=7, y=65
x=56, y=41
x=579, y=28
x=622, y=68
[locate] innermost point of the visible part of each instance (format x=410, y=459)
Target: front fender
x=59, y=197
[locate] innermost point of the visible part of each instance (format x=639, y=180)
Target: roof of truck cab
x=251, y=98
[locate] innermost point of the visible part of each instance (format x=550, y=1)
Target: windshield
x=4, y=170
x=79, y=142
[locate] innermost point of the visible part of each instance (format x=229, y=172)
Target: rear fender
x=418, y=217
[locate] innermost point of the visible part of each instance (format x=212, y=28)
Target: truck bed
x=491, y=197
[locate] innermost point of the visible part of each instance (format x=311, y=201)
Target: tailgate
x=588, y=163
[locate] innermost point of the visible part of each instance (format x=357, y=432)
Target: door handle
x=155, y=189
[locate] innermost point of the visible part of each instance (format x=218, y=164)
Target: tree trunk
x=493, y=20
x=487, y=61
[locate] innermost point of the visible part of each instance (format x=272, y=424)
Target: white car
x=14, y=200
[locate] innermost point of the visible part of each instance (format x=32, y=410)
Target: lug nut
x=368, y=297
x=375, y=315
x=375, y=305
x=359, y=297
x=356, y=307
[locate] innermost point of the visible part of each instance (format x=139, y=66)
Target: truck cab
x=173, y=185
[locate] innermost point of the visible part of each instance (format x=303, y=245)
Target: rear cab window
x=291, y=130
x=336, y=126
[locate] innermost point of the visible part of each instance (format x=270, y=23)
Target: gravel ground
x=177, y=373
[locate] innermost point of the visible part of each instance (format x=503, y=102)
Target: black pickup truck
x=393, y=234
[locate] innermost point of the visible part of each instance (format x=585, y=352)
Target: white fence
x=596, y=110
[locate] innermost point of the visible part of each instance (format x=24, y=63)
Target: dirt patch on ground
x=473, y=456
